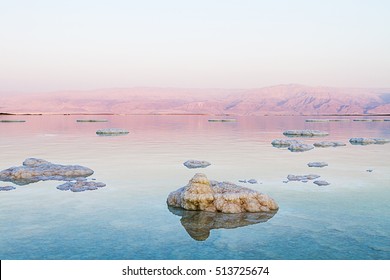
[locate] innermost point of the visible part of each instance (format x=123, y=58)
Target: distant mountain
x=277, y=100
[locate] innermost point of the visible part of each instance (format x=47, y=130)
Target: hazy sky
x=85, y=44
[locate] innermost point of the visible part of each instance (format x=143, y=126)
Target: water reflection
x=199, y=223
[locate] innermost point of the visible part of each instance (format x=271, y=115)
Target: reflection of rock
x=196, y=163
x=367, y=141
x=305, y=132
x=7, y=188
x=199, y=223
x=302, y=177
x=201, y=194
x=34, y=170
x=300, y=147
x=317, y=164
x=80, y=186
x=325, y=144
x=111, y=132
x=321, y=183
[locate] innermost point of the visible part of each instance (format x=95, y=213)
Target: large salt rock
x=34, y=170
x=198, y=224
x=201, y=194
x=368, y=141
x=305, y=132
x=196, y=163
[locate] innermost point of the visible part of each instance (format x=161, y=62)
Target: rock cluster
x=225, y=197
x=292, y=145
x=196, y=163
x=80, y=186
x=34, y=170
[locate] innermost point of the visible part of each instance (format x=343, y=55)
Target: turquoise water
x=129, y=219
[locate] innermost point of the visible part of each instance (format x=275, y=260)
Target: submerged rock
x=305, y=133
x=35, y=170
x=302, y=177
x=300, y=147
x=196, y=163
x=198, y=224
x=368, y=141
x=7, y=188
x=321, y=183
x=201, y=194
x=111, y=132
x=81, y=186
x=325, y=144
x=317, y=164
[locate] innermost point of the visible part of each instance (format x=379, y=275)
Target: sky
x=48, y=45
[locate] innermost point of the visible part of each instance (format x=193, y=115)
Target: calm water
x=129, y=219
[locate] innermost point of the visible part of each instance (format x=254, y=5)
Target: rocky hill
x=277, y=100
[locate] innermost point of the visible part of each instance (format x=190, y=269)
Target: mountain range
x=289, y=99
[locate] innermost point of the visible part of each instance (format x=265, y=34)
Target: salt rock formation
x=201, y=194
x=300, y=147
x=34, y=170
x=305, y=133
x=326, y=144
x=368, y=141
x=198, y=224
x=317, y=164
x=302, y=177
x=321, y=183
x=292, y=145
x=7, y=188
x=196, y=163
x=80, y=186
x=111, y=132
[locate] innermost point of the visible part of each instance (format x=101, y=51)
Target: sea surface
x=129, y=218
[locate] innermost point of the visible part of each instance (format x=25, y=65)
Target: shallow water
x=129, y=219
